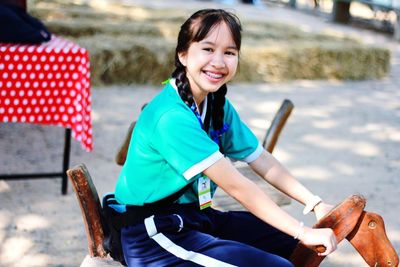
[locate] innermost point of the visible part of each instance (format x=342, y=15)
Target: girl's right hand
x=320, y=236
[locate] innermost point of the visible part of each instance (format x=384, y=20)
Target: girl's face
x=211, y=62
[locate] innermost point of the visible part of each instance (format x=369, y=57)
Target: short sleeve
x=178, y=137
x=239, y=142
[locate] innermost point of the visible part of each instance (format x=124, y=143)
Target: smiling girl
x=178, y=156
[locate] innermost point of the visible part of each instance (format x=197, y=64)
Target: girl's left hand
x=322, y=209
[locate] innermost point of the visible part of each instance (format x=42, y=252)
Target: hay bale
x=130, y=60
x=320, y=60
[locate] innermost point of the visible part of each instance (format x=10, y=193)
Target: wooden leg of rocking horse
x=370, y=240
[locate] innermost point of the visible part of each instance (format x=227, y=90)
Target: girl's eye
x=208, y=49
x=230, y=53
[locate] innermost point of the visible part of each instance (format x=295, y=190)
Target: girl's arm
x=225, y=175
x=274, y=173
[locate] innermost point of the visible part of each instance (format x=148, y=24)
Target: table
x=47, y=84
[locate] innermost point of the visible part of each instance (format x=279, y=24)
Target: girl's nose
x=218, y=61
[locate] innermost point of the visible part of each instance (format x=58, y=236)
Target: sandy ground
x=342, y=138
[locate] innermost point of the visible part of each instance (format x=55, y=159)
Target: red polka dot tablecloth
x=47, y=84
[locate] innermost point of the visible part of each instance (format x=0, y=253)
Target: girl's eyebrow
x=212, y=43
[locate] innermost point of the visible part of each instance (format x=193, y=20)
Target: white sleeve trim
x=202, y=165
x=253, y=156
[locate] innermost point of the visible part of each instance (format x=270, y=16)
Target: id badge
x=204, y=192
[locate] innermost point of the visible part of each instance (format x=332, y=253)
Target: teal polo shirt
x=169, y=149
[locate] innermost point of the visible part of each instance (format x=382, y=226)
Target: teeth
x=214, y=75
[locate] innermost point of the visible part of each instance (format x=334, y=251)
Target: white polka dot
x=69, y=59
x=42, y=101
x=1, y=66
x=34, y=58
x=55, y=92
x=78, y=117
x=10, y=110
x=53, y=109
x=69, y=84
x=50, y=101
x=38, y=67
x=74, y=50
x=15, y=119
x=12, y=49
x=13, y=93
x=23, y=75
x=61, y=108
x=7, y=101
x=25, y=58
x=30, y=92
x=18, y=84
x=67, y=100
x=21, y=49
x=20, y=66
x=47, y=92
x=40, y=118
x=31, y=49
x=28, y=110
x=16, y=58
x=63, y=67
x=61, y=84
x=24, y=101
x=37, y=109
x=16, y=102
x=38, y=92
x=50, y=76
x=3, y=49
x=14, y=75
x=58, y=75
x=52, y=58
x=48, y=117
x=58, y=100
x=1, y=110
x=5, y=75
x=9, y=84
x=53, y=84
x=65, y=117
x=33, y=101
x=5, y=119
x=71, y=67
x=21, y=93
x=32, y=76
x=46, y=67
x=28, y=66
x=41, y=76
x=7, y=57
x=36, y=84
x=66, y=75
x=75, y=76
x=11, y=66
x=48, y=50
x=60, y=59
x=55, y=67
x=40, y=49
x=45, y=109
x=44, y=84
x=27, y=84
x=70, y=110
x=31, y=118
x=56, y=117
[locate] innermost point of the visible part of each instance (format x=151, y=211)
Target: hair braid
x=218, y=108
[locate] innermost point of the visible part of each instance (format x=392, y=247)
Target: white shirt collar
x=204, y=104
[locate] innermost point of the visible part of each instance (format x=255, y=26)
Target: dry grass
x=133, y=44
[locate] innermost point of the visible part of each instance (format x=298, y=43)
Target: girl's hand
x=317, y=237
x=322, y=209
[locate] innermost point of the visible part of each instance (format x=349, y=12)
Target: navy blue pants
x=185, y=236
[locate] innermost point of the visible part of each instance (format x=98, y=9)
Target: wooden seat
x=90, y=204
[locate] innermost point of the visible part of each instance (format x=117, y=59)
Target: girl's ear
x=182, y=58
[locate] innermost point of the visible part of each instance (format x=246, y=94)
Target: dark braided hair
x=195, y=29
